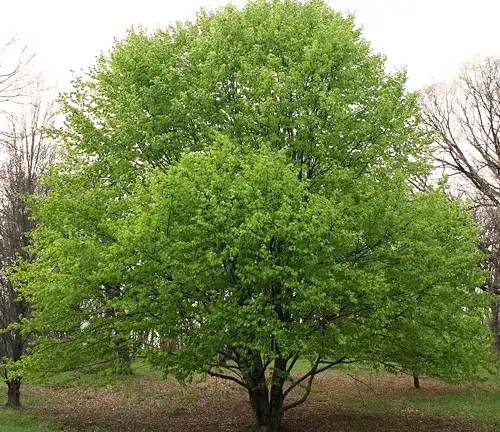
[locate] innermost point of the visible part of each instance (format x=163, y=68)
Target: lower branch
x=304, y=397
x=228, y=377
x=310, y=378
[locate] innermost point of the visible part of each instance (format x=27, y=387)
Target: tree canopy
x=244, y=182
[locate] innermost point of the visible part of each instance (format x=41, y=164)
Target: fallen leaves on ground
x=337, y=403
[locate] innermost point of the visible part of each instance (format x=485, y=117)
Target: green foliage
x=242, y=181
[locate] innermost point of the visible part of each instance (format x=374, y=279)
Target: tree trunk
x=495, y=322
x=416, y=381
x=14, y=393
x=276, y=406
x=260, y=404
x=267, y=406
x=124, y=363
x=123, y=354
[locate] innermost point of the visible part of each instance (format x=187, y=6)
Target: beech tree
x=245, y=181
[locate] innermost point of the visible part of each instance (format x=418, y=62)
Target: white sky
x=430, y=37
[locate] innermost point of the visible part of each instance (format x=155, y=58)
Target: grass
x=478, y=405
x=23, y=429
x=21, y=421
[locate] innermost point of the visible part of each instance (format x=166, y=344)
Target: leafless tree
x=25, y=153
x=489, y=217
x=466, y=115
x=16, y=79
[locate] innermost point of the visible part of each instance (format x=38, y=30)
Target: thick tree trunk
x=268, y=405
x=260, y=404
x=268, y=413
x=277, y=397
x=276, y=406
x=14, y=393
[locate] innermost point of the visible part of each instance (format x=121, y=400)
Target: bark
x=416, y=381
x=277, y=396
x=276, y=407
x=14, y=393
x=260, y=404
x=267, y=404
x=268, y=411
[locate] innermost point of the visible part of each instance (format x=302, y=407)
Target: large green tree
x=243, y=181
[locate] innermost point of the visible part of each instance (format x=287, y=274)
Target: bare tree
x=25, y=154
x=16, y=80
x=466, y=115
x=489, y=217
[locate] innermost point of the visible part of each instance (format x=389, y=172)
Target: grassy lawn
x=478, y=405
x=22, y=421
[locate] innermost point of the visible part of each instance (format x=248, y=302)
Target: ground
x=342, y=401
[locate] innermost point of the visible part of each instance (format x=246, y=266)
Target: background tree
x=244, y=179
x=26, y=153
x=22, y=149
x=488, y=216
x=466, y=114
x=16, y=79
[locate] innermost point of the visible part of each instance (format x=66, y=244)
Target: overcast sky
x=430, y=37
